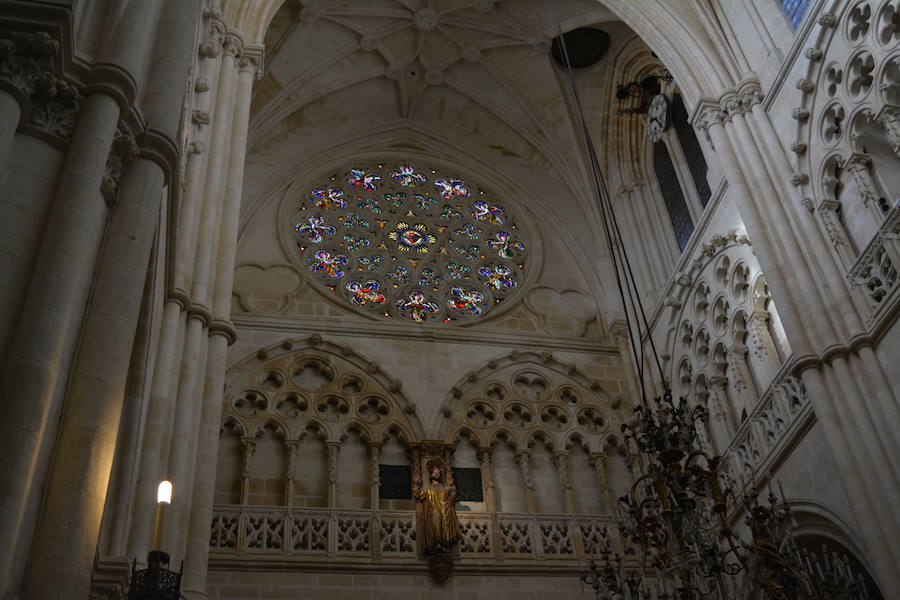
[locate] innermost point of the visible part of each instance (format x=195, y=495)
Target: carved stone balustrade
x=314, y=535
x=769, y=430
x=875, y=272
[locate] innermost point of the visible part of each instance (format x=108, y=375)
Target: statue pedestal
x=440, y=566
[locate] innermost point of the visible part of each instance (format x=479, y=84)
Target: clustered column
x=110, y=187
x=740, y=129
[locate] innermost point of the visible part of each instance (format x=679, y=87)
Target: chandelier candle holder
x=675, y=520
x=157, y=581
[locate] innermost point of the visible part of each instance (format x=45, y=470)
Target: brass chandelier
x=675, y=523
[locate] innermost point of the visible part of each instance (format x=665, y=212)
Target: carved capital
x=54, y=105
x=25, y=57
x=233, y=45
x=730, y=104
x=750, y=94
x=560, y=461
x=124, y=151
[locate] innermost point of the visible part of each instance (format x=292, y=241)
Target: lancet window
x=794, y=10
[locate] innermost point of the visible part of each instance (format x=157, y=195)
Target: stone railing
x=768, y=429
x=307, y=533
x=875, y=272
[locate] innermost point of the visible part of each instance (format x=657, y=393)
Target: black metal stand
x=156, y=582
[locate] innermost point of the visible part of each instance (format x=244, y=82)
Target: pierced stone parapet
x=298, y=534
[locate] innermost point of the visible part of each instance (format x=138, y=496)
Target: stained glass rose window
x=401, y=241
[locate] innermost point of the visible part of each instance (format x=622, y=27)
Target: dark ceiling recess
x=585, y=46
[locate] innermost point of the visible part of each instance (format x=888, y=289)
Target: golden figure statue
x=437, y=528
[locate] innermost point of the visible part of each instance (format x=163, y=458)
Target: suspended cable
x=619, y=256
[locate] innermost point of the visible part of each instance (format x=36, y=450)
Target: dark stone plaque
x=395, y=482
x=468, y=484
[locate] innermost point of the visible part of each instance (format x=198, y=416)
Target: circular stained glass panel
x=403, y=241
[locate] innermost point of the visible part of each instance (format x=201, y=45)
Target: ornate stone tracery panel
x=848, y=139
x=406, y=241
x=296, y=383
x=726, y=344
x=525, y=396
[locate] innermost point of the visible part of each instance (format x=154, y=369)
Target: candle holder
x=157, y=581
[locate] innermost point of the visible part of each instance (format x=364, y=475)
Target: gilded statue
x=437, y=528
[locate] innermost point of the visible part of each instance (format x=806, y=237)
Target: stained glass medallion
x=399, y=240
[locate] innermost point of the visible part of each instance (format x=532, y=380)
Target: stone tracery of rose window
x=398, y=240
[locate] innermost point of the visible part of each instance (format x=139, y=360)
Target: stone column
x=163, y=391
x=289, y=473
x=80, y=477
x=487, y=476
x=157, y=423
x=859, y=166
x=889, y=117
x=560, y=461
x=598, y=461
x=45, y=337
x=713, y=121
x=523, y=459
x=187, y=408
x=249, y=444
x=838, y=298
x=763, y=345
x=374, y=451
x=837, y=235
x=871, y=514
x=332, y=449
x=722, y=424
x=741, y=382
x=222, y=334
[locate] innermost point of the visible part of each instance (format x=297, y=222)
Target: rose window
x=397, y=240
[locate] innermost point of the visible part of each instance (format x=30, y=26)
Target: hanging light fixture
x=677, y=539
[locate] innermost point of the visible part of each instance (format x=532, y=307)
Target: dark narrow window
x=795, y=10
x=468, y=484
x=691, y=148
x=394, y=482
x=672, y=194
